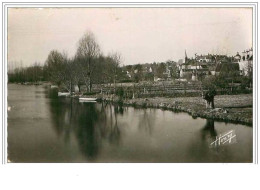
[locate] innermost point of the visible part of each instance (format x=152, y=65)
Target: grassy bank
x=229, y=108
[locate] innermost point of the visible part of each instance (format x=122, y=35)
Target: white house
x=246, y=62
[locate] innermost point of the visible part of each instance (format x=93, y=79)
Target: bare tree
x=77, y=71
x=115, y=59
x=87, y=52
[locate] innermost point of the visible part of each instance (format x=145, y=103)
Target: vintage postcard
x=130, y=85
x=88, y=84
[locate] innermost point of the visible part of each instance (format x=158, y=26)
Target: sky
x=140, y=35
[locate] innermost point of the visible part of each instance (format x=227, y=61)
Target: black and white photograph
x=129, y=83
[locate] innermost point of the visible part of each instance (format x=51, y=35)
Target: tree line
x=33, y=73
x=87, y=67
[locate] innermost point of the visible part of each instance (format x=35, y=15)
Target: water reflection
x=208, y=131
x=85, y=130
x=146, y=121
x=89, y=122
x=114, y=133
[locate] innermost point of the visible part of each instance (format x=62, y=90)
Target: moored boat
x=63, y=93
x=54, y=86
x=92, y=100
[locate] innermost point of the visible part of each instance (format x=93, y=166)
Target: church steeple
x=186, y=57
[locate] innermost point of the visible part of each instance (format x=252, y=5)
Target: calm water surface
x=45, y=128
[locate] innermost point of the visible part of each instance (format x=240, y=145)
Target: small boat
x=91, y=100
x=54, y=86
x=63, y=93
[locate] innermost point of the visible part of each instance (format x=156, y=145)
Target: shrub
x=120, y=92
x=90, y=93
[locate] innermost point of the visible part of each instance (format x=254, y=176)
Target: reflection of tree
x=114, y=133
x=118, y=107
x=103, y=120
x=199, y=144
x=85, y=130
x=58, y=111
x=209, y=129
x=89, y=124
x=146, y=122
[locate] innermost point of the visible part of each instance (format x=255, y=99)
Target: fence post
x=133, y=92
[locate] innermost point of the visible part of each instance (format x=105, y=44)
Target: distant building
x=193, y=67
x=203, y=58
x=128, y=74
x=245, y=61
x=237, y=58
x=156, y=79
x=210, y=64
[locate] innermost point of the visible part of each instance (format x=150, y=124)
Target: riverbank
x=228, y=108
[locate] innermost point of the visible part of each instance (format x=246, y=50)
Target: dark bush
x=120, y=92
x=90, y=93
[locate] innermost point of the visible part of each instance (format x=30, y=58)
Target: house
x=203, y=58
x=128, y=74
x=194, y=67
x=237, y=58
x=245, y=62
x=193, y=70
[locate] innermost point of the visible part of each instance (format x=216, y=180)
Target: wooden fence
x=156, y=90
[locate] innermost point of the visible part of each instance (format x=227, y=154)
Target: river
x=45, y=128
